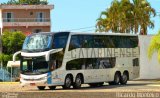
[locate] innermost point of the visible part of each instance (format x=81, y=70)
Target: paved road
x=143, y=89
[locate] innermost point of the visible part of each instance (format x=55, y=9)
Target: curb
x=9, y=82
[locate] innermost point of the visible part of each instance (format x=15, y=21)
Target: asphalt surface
x=134, y=89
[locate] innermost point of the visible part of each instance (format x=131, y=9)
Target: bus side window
x=87, y=41
x=108, y=62
x=88, y=63
x=109, y=42
x=96, y=63
x=75, y=43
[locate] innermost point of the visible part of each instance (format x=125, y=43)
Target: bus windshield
x=45, y=42
x=37, y=42
x=36, y=65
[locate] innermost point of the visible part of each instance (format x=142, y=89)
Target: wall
x=23, y=13
x=29, y=29
x=149, y=68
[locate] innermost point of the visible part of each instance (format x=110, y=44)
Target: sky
x=81, y=15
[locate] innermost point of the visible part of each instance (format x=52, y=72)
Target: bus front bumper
x=33, y=82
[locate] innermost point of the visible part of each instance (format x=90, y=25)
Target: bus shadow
x=112, y=86
x=87, y=87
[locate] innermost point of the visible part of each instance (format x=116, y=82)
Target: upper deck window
x=37, y=42
x=44, y=42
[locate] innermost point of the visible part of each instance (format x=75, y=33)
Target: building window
x=9, y=17
x=31, y=13
x=40, y=17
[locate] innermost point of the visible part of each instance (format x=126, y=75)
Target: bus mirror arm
x=15, y=54
x=52, y=51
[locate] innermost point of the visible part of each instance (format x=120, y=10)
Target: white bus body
x=86, y=58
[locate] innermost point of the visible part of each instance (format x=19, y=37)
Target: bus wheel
x=116, y=80
x=52, y=87
x=78, y=82
x=124, y=79
x=41, y=87
x=68, y=82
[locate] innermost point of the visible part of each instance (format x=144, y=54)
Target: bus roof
x=103, y=33
x=84, y=33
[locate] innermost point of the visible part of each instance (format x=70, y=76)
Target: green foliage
x=29, y=2
x=126, y=16
x=5, y=57
x=154, y=46
x=11, y=43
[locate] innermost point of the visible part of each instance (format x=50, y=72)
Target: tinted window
x=91, y=63
x=87, y=41
x=103, y=41
x=60, y=40
x=123, y=41
x=136, y=62
x=99, y=41
x=81, y=41
x=134, y=41
x=75, y=42
x=74, y=64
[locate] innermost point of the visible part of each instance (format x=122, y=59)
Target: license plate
x=32, y=84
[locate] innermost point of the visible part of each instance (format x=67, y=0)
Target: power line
x=80, y=28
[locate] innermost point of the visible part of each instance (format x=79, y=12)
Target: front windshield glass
x=36, y=65
x=37, y=42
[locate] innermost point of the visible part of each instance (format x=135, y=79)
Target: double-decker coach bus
x=70, y=59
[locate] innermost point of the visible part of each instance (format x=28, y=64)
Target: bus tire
x=117, y=78
x=78, y=82
x=41, y=87
x=68, y=82
x=124, y=78
x=52, y=87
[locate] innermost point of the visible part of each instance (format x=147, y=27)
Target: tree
x=27, y=2
x=11, y=43
x=33, y=2
x=154, y=46
x=125, y=16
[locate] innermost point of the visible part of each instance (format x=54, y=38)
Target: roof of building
x=26, y=7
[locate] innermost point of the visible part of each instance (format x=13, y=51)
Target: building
x=25, y=18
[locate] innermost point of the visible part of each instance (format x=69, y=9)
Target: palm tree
x=142, y=13
x=125, y=16
x=154, y=46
